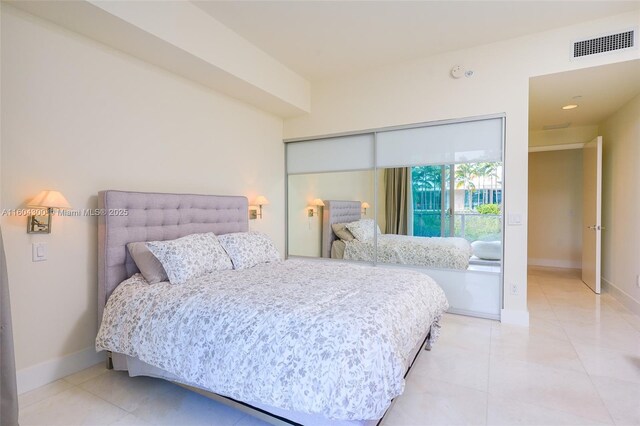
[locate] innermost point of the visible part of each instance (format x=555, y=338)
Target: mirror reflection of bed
x=347, y=236
x=435, y=192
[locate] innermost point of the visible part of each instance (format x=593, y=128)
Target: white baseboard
x=508, y=316
x=555, y=263
x=40, y=374
x=622, y=296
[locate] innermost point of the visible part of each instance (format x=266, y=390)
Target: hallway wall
x=621, y=204
x=555, y=208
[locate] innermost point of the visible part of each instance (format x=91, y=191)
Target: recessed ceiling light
x=570, y=106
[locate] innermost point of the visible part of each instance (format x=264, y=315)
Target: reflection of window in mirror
x=466, y=206
x=457, y=206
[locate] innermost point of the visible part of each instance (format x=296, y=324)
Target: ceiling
x=324, y=39
x=603, y=91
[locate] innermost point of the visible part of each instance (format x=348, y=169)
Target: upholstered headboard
x=337, y=212
x=155, y=217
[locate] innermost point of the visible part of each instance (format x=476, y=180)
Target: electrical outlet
x=514, y=289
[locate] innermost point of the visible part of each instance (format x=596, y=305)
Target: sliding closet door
x=331, y=154
x=432, y=195
x=454, y=143
x=445, y=180
x=327, y=179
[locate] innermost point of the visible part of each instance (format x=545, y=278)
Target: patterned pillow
x=190, y=257
x=248, y=249
x=363, y=229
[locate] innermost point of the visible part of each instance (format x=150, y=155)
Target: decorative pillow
x=149, y=265
x=248, y=249
x=363, y=229
x=487, y=250
x=190, y=257
x=341, y=231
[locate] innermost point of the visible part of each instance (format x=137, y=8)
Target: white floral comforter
x=316, y=337
x=446, y=253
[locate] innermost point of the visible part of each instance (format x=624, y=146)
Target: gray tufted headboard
x=337, y=212
x=156, y=217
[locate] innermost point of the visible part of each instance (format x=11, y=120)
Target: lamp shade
x=50, y=199
x=365, y=205
x=318, y=202
x=261, y=200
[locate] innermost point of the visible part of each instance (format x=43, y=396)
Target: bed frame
x=337, y=212
x=158, y=216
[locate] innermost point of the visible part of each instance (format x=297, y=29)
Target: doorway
x=555, y=208
x=566, y=112
x=565, y=199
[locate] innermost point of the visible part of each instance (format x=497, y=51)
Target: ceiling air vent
x=603, y=44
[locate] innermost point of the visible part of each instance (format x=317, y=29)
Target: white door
x=592, y=213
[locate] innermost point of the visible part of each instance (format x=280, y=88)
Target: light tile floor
x=577, y=364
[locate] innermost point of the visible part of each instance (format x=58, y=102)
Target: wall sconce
x=256, y=212
x=365, y=206
x=49, y=200
x=313, y=207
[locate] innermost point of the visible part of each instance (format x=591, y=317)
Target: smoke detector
x=457, y=71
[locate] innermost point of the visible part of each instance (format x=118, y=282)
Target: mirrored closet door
x=427, y=197
x=330, y=183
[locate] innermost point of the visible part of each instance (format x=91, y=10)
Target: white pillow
x=487, y=250
x=248, y=249
x=190, y=257
x=363, y=229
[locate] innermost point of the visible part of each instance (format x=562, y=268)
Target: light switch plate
x=515, y=219
x=38, y=252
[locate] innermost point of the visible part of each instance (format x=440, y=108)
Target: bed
x=434, y=252
x=292, y=342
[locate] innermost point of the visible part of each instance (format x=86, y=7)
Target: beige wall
x=80, y=117
x=1, y=19
x=555, y=208
x=621, y=202
x=305, y=233
x=419, y=91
